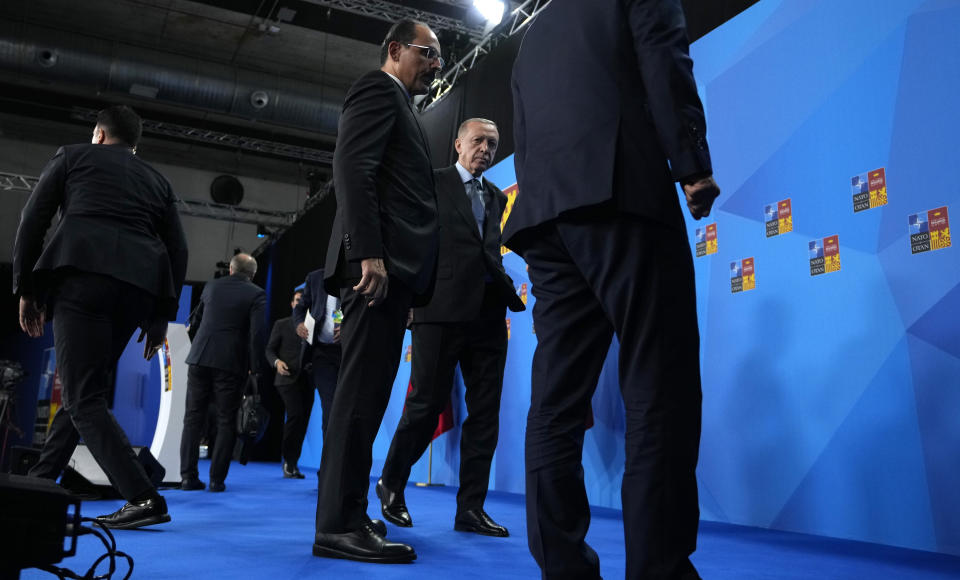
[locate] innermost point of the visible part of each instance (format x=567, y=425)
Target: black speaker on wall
x=226, y=189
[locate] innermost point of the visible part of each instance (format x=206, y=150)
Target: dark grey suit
x=598, y=222
x=386, y=208
x=463, y=324
x=116, y=260
x=228, y=344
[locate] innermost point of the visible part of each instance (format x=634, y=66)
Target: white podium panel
x=173, y=399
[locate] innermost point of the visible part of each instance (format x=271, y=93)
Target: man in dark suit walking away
x=381, y=260
x=115, y=261
x=227, y=348
x=285, y=353
x=323, y=344
x=464, y=324
x=597, y=219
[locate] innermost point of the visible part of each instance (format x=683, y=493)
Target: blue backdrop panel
x=830, y=401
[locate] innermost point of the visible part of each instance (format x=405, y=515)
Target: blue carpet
x=262, y=527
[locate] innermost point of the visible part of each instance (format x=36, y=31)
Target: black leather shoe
x=192, y=485
x=217, y=486
x=363, y=545
x=136, y=515
x=379, y=527
x=393, y=507
x=291, y=471
x=478, y=522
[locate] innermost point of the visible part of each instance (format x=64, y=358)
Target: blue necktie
x=476, y=203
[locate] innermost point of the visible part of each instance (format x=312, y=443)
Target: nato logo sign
x=824, y=255
x=929, y=230
x=706, y=240
x=742, y=276
x=778, y=217
x=869, y=190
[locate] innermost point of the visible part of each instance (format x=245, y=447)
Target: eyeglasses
x=429, y=52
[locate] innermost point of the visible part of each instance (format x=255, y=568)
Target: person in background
x=285, y=352
x=227, y=348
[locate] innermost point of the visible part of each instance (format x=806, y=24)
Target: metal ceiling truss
x=216, y=211
x=222, y=139
x=15, y=182
x=391, y=12
x=515, y=22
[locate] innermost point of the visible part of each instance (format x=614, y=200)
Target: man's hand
x=155, y=331
x=700, y=194
x=374, y=281
x=302, y=331
x=282, y=368
x=32, y=317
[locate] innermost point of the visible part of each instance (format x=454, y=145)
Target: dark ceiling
x=192, y=67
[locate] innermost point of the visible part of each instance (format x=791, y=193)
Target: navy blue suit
x=229, y=342
x=607, y=118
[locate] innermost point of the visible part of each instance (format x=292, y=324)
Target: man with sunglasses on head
x=381, y=260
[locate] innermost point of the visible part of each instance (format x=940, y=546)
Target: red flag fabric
x=445, y=421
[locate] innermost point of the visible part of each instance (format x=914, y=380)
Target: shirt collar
x=399, y=84
x=465, y=175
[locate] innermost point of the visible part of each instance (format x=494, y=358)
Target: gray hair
x=245, y=265
x=463, y=126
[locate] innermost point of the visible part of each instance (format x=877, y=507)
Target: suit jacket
x=386, y=206
x=631, y=124
x=285, y=344
x=230, y=326
x=465, y=258
x=118, y=217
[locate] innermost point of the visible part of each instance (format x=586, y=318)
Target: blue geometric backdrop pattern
x=831, y=402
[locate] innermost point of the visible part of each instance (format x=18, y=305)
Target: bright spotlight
x=492, y=10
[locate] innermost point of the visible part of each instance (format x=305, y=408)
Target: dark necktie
x=476, y=203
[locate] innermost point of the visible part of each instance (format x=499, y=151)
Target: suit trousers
x=298, y=404
x=594, y=276
x=326, y=369
x=94, y=317
x=479, y=346
x=372, y=338
x=225, y=388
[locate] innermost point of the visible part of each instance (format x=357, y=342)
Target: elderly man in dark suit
x=380, y=260
x=115, y=261
x=597, y=218
x=323, y=344
x=227, y=348
x=464, y=324
x=285, y=353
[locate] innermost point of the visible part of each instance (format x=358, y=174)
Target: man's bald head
x=244, y=265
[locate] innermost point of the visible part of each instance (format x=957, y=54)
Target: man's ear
x=393, y=50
